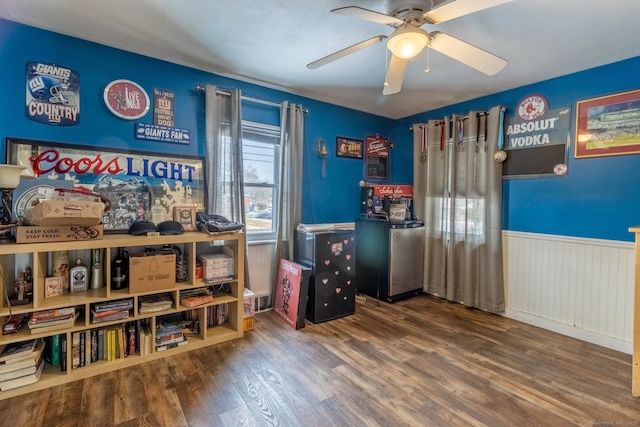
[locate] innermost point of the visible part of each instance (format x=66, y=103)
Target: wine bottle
x=120, y=270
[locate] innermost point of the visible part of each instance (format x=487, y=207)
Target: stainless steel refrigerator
x=390, y=260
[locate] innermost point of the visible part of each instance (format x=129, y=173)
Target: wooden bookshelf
x=15, y=257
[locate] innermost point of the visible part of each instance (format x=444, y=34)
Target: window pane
x=260, y=145
x=259, y=214
x=258, y=161
x=261, y=157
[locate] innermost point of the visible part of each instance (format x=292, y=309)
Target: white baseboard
x=581, y=334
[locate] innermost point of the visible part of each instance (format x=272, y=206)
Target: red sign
x=377, y=146
x=126, y=99
x=395, y=191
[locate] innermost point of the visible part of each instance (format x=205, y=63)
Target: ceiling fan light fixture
x=407, y=41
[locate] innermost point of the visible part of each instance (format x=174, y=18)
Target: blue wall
x=599, y=197
x=334, y=198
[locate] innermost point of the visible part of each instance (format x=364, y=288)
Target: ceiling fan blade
x=466, y=53
x=459, y=8
x=395, y=75
x=346, y=51
x=369, y=15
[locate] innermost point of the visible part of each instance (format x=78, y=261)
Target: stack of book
x=52, y=320
x=169, y=333
x=111, y=310
x=217, y=314
x=154, y=303
x=21, y=364
x=195, y=297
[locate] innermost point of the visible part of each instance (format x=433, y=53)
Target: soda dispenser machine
x=389, y=243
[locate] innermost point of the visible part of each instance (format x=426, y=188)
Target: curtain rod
x=200, y=88
x=485, y=113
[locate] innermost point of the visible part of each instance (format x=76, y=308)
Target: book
x=107, y=313
x=144, y=337
x=75, y=350
x=94, y=346
x=107, y=345
x=110, y=305
x=22, y=381
x=170, y=338
x=48, y=314
x=196, y=300
x=118, y=315
x=6, y=376
x=132, y=338
x=37, y=322
x=101, y=344
x=31, y=359
x=24, y=363
x=112, y=344
x=121, y=346
x=56, y=326
x=17, y=351
x=63, y=352
x=172, y=345
x=83, y=348
x=52, y=350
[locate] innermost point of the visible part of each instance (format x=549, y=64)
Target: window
x=261, y=166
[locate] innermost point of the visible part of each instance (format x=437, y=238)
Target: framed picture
x=132, y=181
x=608, y=125
x=377, y=161
x=185, y=215
x=347, y=147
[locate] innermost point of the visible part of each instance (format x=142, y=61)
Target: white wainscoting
x=575, y=286
x=261, y=269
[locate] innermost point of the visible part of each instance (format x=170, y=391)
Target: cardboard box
x=30, y=191
x=58, y=233
x=218, y=265
x=58, y=212
x=152, y=272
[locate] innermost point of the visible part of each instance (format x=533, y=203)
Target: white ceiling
x=269, y=42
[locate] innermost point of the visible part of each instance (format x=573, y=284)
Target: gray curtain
x=289, y=198
x=461, y=202
x=223, y=151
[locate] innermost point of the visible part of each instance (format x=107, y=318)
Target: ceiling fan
x=408, y=39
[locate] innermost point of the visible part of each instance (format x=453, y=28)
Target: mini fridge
x=390, y=258
x=331, y=255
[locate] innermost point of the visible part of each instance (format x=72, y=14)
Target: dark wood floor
x=419, y=362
